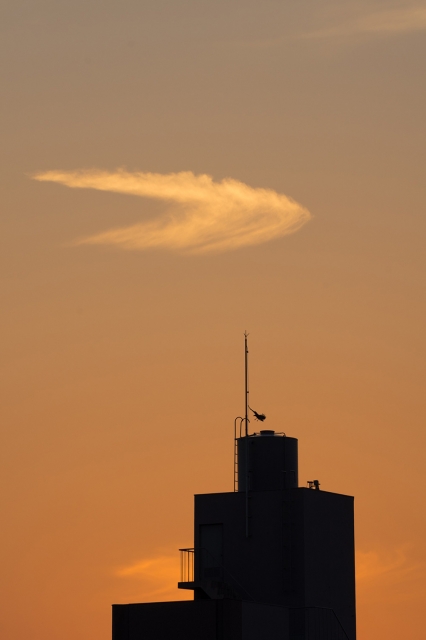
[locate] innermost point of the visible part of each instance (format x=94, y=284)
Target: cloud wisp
x=202, y=216
x=392, y=571
x=155, y=577
x=392, y=21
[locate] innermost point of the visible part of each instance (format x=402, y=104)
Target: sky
x=171, y=175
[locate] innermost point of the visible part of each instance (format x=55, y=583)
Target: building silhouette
x=271, y=560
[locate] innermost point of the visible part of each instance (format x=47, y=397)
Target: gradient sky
x=173, y=173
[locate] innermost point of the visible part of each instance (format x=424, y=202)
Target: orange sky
x=173, y=173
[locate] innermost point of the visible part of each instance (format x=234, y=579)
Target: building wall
x=200, y=620
x=328, y=533
x=299, y=552
x=165, y=621
x=222, y=620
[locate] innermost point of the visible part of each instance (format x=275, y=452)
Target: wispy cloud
x=202, y=216
x=385, y=21
x=156, y=577
x=158, y=567
x=372, y=565
x=391, y=575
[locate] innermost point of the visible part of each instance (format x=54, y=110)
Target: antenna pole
x=246, y=394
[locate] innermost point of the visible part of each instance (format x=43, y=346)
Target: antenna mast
x=246, y=394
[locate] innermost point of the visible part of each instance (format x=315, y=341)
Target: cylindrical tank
x=268, y=461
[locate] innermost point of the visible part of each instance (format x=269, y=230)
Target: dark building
x=271, y=560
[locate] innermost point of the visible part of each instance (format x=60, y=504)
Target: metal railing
x=209, y=568
x=187, y=565
x=242, y=420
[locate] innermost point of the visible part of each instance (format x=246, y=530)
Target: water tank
x=268, y=461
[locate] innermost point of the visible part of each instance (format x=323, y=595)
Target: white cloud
x=203, y=215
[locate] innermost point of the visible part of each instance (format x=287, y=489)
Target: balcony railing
x=198, y=565
x=187, y=565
